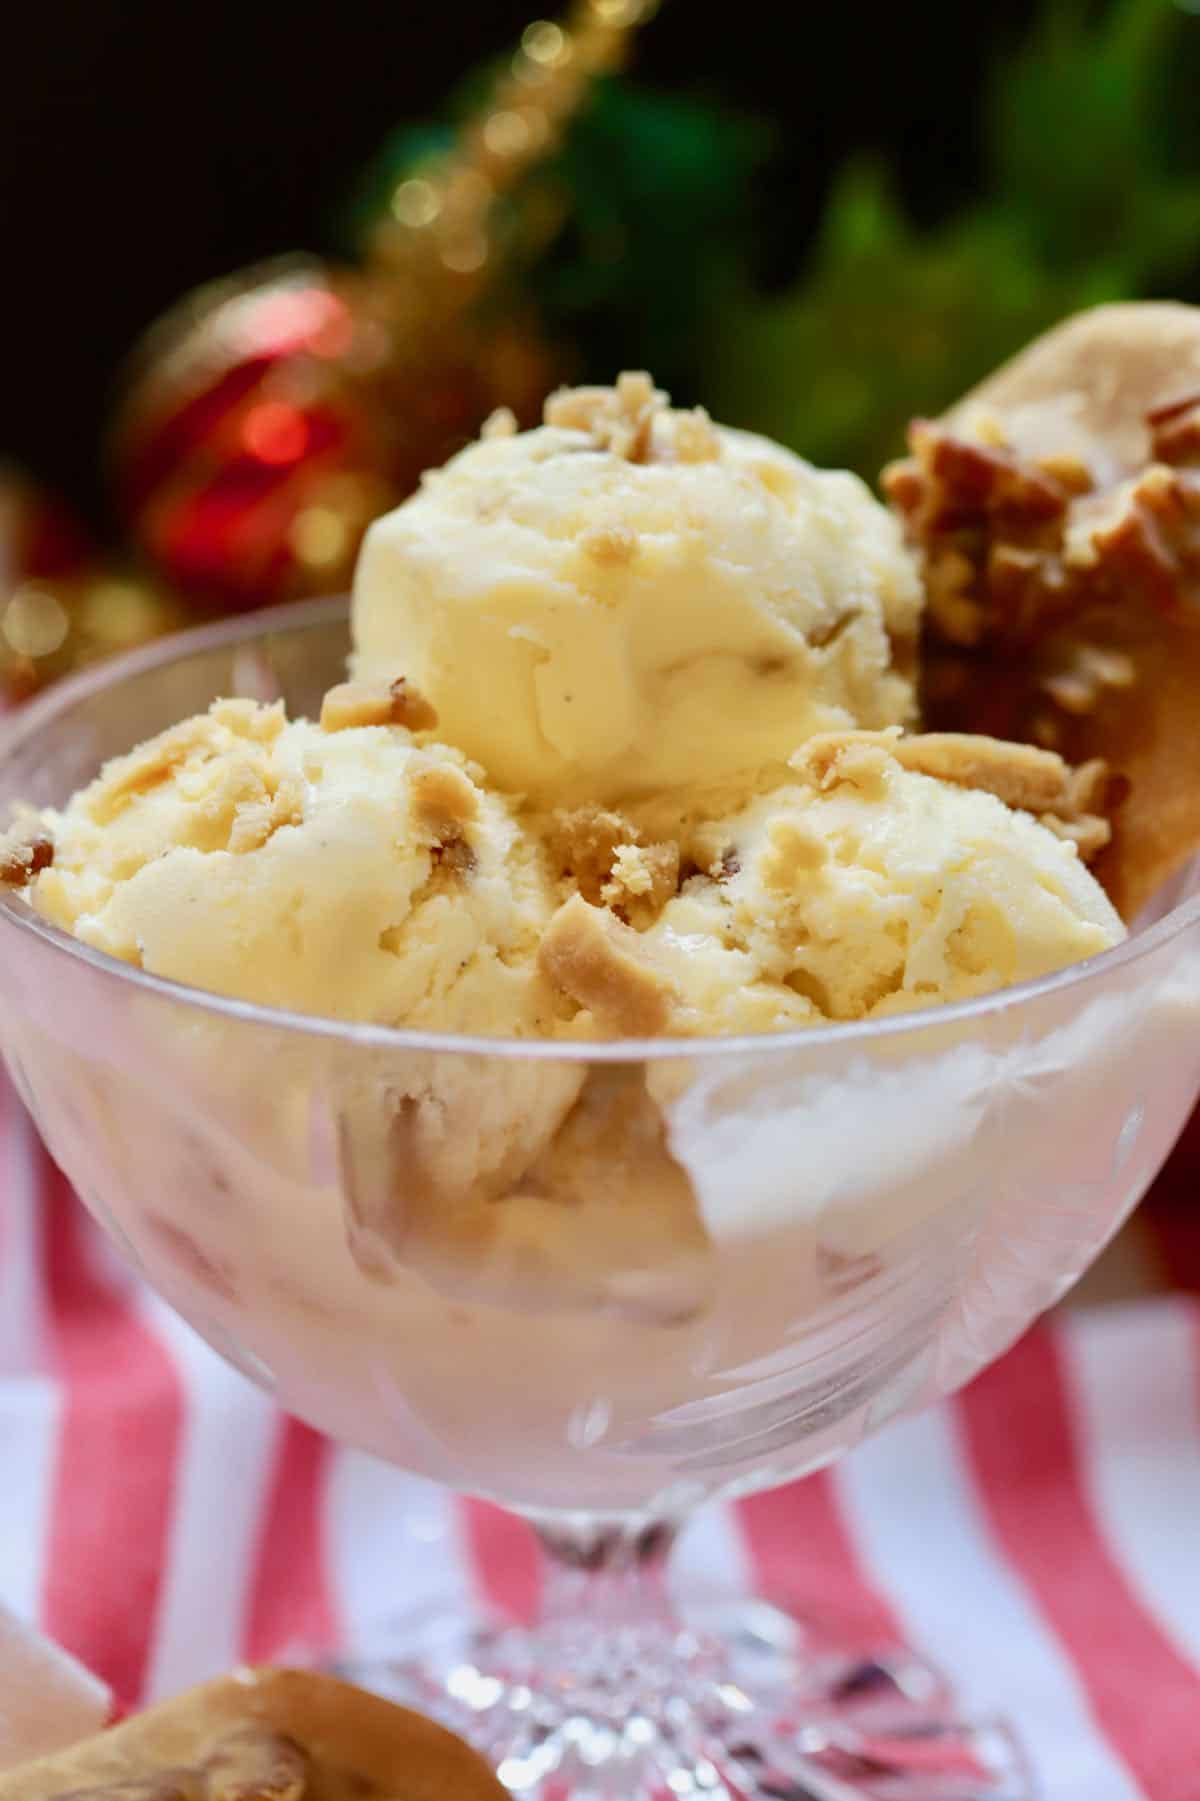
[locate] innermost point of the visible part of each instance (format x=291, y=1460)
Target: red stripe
x=119, y=1437
x=504, y=1559
x=805, y=1561
x=290, y=1607
x=1144, y=1696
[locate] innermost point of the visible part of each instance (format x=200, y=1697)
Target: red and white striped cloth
x=1039, y=1536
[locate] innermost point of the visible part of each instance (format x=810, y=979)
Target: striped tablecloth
x=1038, y=1537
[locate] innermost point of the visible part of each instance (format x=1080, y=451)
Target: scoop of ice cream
x=629, y=598
x=340, y=868
x=864, y=887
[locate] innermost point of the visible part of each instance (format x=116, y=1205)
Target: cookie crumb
x=23, y=856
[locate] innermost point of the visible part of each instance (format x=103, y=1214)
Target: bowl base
x=736, y=1704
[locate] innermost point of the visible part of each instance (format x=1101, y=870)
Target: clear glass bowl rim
x=75, y=690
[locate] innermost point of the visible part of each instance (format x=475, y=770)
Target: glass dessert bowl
x=727, y=1262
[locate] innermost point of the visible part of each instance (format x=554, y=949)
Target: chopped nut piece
x=696, y=439
x=250, y=718
x=410, y=707
x=619, y=419
x=442, y=796
x=397, y=702
x=1078, y=687
x=1023, y=776
x=647, y=874
x=443, y=804
x=353, y=704
x=23, y=856
x=1175, y=431
x=860, y=758
x=610, y=544
x=1089, y=836
x=451, y=851
x=1068, y=470
x=502, y=423
x=257, y=821
x=608, y=968
x=583, y=843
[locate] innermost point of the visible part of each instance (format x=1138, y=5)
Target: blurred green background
x=816, y=223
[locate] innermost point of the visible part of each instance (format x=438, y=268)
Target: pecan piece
x=397, y=702
x=23, y=856
x=608, y=968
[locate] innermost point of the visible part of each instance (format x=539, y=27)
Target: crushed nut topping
x=858, y=758
x=609, y=861
x=398, y=702
x=610, y=544
x=607, y=968
x=643, y=875
x=24, y=855
x=1015, y=548
x=443, y=804
x=451, y=851
x=1085, y=675
x=1073, y=802
x=582, y=843
x=634, y=420
x=695, y=437
x=1018, y=548
x=443, y=795
x=502, y=423
x=257, y=821
x=1175, y=431
x=1077, y=627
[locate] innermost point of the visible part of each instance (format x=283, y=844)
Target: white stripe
x=22, y=1316
x=1135, y=1383
x=710, y=1562
x=917, y=1525
x=218, y=1499
x=394, y=1551
x=30, y=1402
x=30, y=1410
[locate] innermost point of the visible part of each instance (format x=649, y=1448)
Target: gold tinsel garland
x=410, y=367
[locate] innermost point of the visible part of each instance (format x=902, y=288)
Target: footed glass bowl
x=601, y=1285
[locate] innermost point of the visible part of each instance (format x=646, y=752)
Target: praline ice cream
x=630, y=598
x=864, y=887
x=342, y=868
x=556, y=1282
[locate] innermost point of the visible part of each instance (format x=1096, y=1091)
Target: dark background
x=145, y=146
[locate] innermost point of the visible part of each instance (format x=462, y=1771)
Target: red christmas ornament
x=254, y=445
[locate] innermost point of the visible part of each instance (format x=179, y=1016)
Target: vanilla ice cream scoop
x=631, y=598
x=341, y=868
x=863, y=887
